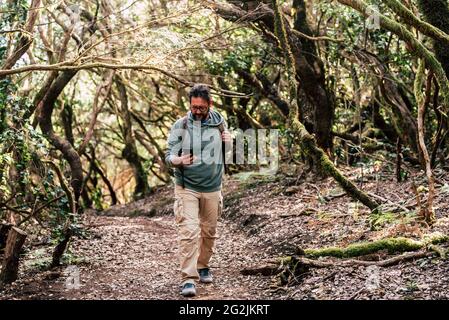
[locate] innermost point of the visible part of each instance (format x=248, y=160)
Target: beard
x=201, y=116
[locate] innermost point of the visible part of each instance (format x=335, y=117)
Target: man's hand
x=226, y=136
x=183, y=160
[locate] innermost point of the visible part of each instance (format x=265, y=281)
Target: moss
x=426, y=28
x=72, y=259
x=435, y=238
x=40, y=264
x=285, y=260
x=393, y=245
x=325, y=252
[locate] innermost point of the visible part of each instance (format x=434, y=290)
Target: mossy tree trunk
x=10, y=266
x=414, y=45
x=45, y=121
x=313, y=79
x=305, y=139
x=308, y=67
x=436, y=12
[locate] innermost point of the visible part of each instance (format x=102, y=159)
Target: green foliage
x=380, y=219
x=13, y=12
x=38, y=259
x=25, y=182
x=69, y=258
x=97, y=198
x=242, y=56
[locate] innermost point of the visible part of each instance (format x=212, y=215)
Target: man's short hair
x=200, y=90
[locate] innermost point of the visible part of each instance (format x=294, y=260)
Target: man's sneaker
x=188, y=290
x=205, y=275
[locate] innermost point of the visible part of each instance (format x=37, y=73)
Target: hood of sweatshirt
x=214, y=120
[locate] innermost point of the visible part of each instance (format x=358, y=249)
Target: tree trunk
x=10, y=267
x=427, y=212
x=308, y=67
x=305, y=139
x=404, y=123
x=45, y=121
x=4, y=230
x=436, y=12
x=311, y=75
x=68, y=151
x=67, y=120
x=130, y=151
x=61, y=247
x=105, y=179
x=413, y=45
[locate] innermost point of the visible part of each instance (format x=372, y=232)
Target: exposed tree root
x=393, y=245
x=268, y=269
x=289, y=269
x=352, y=262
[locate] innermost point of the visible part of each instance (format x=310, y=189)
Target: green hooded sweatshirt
x=204, y=138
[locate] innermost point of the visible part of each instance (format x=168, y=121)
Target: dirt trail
x=123, y=257
x=135, y=258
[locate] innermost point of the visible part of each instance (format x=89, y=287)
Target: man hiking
x=195, y=150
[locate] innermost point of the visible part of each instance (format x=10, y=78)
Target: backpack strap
x=184, y=127
x=181, y=168
x=223, y=148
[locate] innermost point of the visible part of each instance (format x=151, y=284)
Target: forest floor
x=129, y=251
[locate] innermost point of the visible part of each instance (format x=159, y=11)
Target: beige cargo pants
x=196, y=215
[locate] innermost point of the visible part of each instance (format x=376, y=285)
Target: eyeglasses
x=202, y=108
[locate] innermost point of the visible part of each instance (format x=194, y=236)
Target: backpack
x=221, y=128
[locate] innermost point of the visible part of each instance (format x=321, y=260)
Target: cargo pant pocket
x=178, y=208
